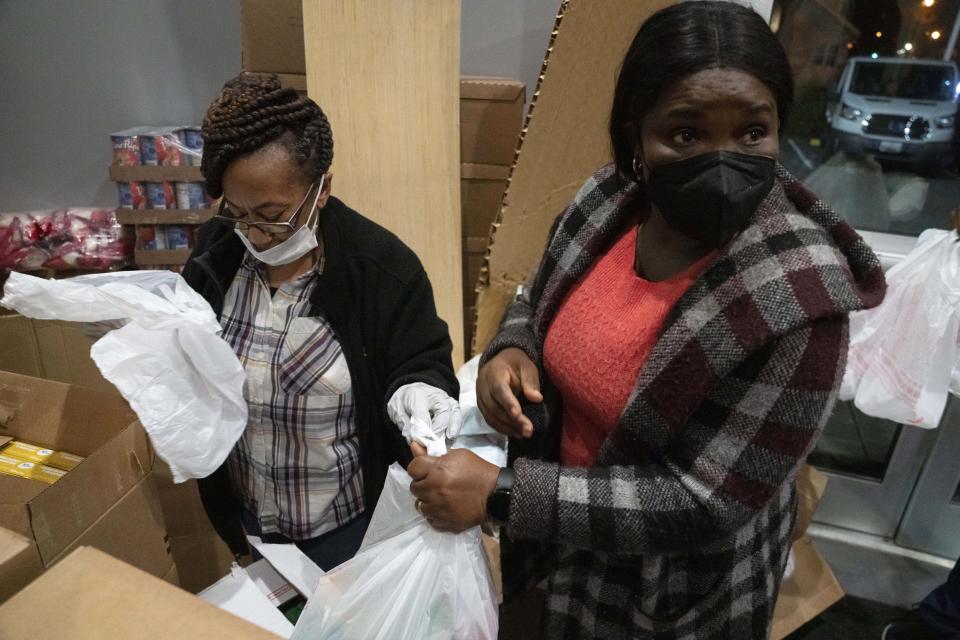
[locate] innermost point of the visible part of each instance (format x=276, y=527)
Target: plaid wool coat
x=682, y=528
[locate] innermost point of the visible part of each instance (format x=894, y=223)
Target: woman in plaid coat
x=673, y=359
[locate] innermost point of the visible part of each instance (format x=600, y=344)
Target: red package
x=60, y=239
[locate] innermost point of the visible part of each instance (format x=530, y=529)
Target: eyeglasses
x=272, y=228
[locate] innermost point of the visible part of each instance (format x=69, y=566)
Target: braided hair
x=253, y=111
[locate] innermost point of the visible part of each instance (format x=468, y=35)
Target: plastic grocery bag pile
x=167, y=360
x=903, y=355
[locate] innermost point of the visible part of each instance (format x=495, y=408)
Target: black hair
x=681, y=40
x=252, y=111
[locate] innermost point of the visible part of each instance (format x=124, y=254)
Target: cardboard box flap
x=74, y=503
x=490, y=88
x=132, y=530
x=90, y=596
x=62, y=416
x=15, y=517
x=19, y=491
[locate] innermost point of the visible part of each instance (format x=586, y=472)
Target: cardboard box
x=99, y=426
x=201, y=559
x=19, y=563
x=272, y=36
x=90, y=596
x=809, y=591
x=474, y=253
x=481, y=192
x=132, y=530
x=49, y=349
x=491, y=115
x=296, y=81
x=200, y=555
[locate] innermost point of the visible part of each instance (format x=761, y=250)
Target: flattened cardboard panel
x=132, y=530
x=387, y=75
x=91, y=596
x=565, y=140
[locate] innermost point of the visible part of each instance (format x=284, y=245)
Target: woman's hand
x=452, y=490
x=507, y=375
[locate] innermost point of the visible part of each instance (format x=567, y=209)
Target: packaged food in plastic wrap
x=179, y=236
x=191, y=195
x=167, y=147
x=63, y=239
x=148, y=237
x=192, y=139
x=161, y=195
x=126, y=146
x=131, y=195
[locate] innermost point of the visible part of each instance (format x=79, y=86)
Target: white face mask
x=302, y=242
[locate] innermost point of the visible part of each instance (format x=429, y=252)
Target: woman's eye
x=756, y=134
x=684, y=137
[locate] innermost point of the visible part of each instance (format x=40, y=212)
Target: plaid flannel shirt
x=297, y=465
x=682, y=528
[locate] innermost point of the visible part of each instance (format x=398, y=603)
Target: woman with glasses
x=332, y=317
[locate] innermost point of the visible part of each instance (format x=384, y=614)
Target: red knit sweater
x=600, y=339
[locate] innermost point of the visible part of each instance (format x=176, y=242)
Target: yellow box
x=41, y=455
x=24, y=469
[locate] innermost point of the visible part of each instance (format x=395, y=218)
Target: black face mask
x=711, y=197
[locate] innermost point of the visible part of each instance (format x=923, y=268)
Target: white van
x=895, y=109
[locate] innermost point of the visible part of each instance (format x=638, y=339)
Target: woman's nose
x=258, y=238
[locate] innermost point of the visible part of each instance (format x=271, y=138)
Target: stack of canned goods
x=159, y=146
x=164, y=236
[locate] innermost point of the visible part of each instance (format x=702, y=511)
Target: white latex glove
x=425, y=404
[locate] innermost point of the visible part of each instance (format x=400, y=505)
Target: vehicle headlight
x=850, y=113
x=944, y=122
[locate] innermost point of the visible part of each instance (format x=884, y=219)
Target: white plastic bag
x=475, y=434
x=903, y=353
x=407, y=582
x=180, y=377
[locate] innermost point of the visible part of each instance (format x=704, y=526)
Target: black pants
x=941, y=609
x=327, y=551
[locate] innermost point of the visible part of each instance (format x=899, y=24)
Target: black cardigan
x=377, y=298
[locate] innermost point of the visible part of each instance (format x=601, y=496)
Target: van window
x=898, y=80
